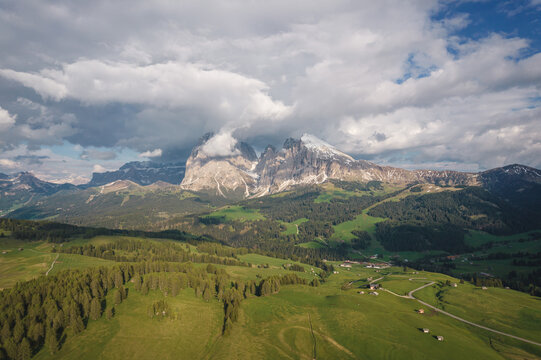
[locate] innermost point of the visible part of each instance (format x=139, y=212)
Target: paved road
x=410, y=296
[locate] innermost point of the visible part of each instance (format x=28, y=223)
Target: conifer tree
x=110, y=313
x=24, y=351
x=76, y=322
x=117, y=297
x=51, y=340
x=95, y=309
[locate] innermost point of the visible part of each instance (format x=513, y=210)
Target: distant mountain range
x=241, y=174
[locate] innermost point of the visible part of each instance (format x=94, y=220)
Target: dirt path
x=410, y=296
x=54, y=261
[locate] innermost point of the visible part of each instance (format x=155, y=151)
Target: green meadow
x=326, y=322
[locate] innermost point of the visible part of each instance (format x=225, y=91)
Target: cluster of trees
x=395, y=236
x=294, y=267
x=357, y=186
x=361, y=240
x=471, y=208
x=28, y=230
x=42, y=312
x=221, y=250
x=132, y=250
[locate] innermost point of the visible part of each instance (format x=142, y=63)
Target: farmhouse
x=373, y=286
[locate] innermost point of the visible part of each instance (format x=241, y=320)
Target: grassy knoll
x=238, y=213
x=477, y=238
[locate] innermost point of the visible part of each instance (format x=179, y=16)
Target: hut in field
x=439, y=337
x=421, y=311
x=373, y=286
x=426, y=331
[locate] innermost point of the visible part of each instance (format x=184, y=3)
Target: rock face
x=229, y=175
x=307, y=160
x=142, y=173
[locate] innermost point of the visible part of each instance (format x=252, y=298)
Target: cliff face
x=307, y=160
x=230, y=175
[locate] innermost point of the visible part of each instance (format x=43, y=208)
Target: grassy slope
x=346, y=325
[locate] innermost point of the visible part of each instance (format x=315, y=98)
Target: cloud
x=6, y=120
x=97, y=154
x=9, y=164
x=221, y=144
x=402, y=82
x=97, y=168
x=151, y=154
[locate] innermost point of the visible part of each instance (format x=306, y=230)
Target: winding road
x=410, y=296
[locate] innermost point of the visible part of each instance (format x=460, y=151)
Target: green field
x=363, y=222
x=335, y=323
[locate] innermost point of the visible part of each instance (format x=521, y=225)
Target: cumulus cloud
x=97, y=168
x=398, y=82
x=151, y=154
x=8, y=164
x=6, y=120
x=221, y=144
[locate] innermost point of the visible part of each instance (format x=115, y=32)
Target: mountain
x=303, y=161
x=142, y=173
x=19, y=189
x=230, y=175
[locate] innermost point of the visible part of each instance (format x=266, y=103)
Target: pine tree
x=76, y=322
x=110, y=313
x=117, y=297
x=5, y=333
x=11, y=348
x=123, y=292
x=18, y=332
x=95, y=309
x=51, y=341
x=24, y=351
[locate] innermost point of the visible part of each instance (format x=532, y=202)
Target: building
x=373, y=286
x=345, y=265
x=426, y=331
x=421, y=311
x=455, y=285
x=439, y=337
x=361, y=292
x=374, y=293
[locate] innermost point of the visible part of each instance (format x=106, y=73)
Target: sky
x=87, y=86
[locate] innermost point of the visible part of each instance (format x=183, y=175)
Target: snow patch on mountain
x=323, y=149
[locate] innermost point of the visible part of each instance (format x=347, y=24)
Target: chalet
x=426, y=331
x=439, y=337
x=373, y=286
x=455, y=285
x=421, y=311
